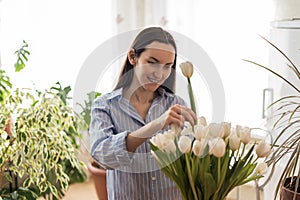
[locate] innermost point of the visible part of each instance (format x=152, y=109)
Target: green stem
x=219, y=171
x=216, y=195
x=191, y=95
x=190, y=176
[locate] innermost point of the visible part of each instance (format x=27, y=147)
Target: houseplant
x=286, y=124
x=97, y=172
x=37, y=144
x=207, y=161
x=39, y=147
x=75, y=174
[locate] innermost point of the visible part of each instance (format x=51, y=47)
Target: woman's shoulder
x=105, y=99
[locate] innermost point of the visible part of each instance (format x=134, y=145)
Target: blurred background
x=62, y=34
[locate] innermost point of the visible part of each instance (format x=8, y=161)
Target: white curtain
x=136, y=14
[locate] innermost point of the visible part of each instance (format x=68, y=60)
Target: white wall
x=62, y=34
x=229, y=32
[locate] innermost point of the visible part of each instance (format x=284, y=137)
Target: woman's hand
x=177, y=114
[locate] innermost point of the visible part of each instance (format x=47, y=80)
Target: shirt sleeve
x=107, y=147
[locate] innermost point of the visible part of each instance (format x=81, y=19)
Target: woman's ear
x=131, y=57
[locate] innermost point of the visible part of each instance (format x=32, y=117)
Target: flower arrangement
x=207, y=161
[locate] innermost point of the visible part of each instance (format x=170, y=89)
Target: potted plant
x=97, y=172
x=75, y=174
x=287, y=125
x=38, y=148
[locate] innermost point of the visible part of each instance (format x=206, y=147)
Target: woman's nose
x=158, y=73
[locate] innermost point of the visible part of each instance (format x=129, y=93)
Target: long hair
x=144, y=38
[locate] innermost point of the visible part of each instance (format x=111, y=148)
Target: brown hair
x=144, y=38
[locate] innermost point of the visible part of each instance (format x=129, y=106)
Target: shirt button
x=153, y=178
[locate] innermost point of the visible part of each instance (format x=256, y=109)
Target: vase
x=286, y=193
x=99, y=178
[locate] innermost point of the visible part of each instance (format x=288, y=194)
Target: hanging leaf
x=22, y=54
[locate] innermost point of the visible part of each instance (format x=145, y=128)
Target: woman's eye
x=152, y=62
x=167, y=67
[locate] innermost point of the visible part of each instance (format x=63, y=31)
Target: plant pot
x=287, y=193
x=99, y=178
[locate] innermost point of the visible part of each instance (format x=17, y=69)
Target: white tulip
x=187, y=69
x=156, y=140
x=234, y=142
x=217, y=147
x=261, y=168
x=202, y=121
x=170, y=146
x=175, y=128
x=238, y=130
x=215, y=130
x=226, y=126
x=184, y=144
x=198, y=147
x=164, y=141
x=263, y=149
x=245, y=135
x=170, y=134
x=187, y=131
x=200, y=131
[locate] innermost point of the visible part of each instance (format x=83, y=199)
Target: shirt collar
x=118, y=93
x=115, y=93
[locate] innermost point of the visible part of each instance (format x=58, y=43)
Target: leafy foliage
x=42, y=144
x=39, y=145
x=287, y=123
x=5, y=86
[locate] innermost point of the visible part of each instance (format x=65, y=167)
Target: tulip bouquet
x=207, y=161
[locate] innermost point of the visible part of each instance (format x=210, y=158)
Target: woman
x=142, y=104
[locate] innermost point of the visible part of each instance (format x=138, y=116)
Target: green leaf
x=21, y=56
x=27, y=182
x=8, y=177
x=22, y=137
x=54, y=191
x=27, y=193
x=210, y=185
x=19, y=160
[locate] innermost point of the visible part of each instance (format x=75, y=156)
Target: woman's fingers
x=177, y=119
x=186, y=112
x=177, y=114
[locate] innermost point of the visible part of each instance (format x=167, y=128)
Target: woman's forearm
x=138, y=137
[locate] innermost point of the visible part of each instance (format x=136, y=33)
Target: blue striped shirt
x=130, y=176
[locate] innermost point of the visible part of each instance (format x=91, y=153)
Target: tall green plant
x=287, y=124
x=74, y=173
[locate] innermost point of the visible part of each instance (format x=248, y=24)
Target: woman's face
x=154, y=65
